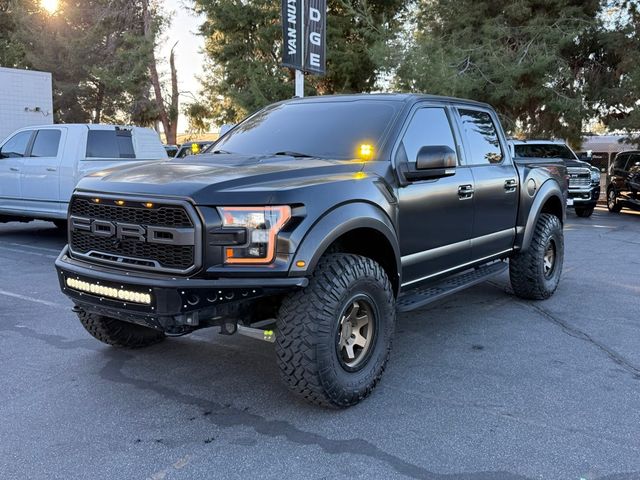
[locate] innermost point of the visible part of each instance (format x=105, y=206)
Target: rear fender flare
x=548, y=190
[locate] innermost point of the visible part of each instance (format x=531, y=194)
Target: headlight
x=595, y=175
x=262, y=225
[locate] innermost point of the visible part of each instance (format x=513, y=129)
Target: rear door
x=11, y=163
x=105, y=147
x=496, y=190
x=40, y=175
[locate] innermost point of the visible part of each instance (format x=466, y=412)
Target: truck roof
x=395, y=97
x=537, y=142
x=90, y=126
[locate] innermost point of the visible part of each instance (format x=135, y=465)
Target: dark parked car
x=624, y=182
x=584, y=178
x=322, y=216
x=171, y=150
x=192, y=148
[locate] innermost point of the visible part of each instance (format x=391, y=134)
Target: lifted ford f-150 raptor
x=323, y=216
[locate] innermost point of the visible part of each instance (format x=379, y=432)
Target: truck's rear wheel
x=584, y=211
x=535, y=272
x=334, y=337
x=118, y=333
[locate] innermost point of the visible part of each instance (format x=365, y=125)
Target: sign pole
x=299, y=83
x=300, y=73
x=304, y=43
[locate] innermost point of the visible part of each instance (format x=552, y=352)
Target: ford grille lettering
x=133, y=232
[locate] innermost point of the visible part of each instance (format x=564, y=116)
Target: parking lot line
x=16, y=250
x=32, y=299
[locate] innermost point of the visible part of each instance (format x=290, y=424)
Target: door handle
x=465, y=192
x=51, y=169
x=510, y=185
x=14, y=169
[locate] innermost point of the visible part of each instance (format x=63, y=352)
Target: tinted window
x=620, y=161
x=16, y=146
x=482, y=137
x=46, y=143
x=319, y=129
x=110, y=144
x=428, y=127
x=549, y=150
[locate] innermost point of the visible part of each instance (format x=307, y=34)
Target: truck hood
x=206, y=178
x=576, y=163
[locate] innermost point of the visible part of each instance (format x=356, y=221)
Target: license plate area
x=570, y=202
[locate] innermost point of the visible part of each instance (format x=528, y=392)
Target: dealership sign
x=304, y=33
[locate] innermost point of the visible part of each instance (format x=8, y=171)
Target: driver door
x=12, y=155
x=436, y=215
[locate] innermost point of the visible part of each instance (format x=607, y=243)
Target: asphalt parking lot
x=479, y=386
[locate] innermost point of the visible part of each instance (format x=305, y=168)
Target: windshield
x=332, y=130
x=549, y=150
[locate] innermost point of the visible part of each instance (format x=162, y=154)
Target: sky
x=189, y=57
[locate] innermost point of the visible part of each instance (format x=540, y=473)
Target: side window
x=110, y=144
x=46, y=144
x=482, y=137
x=16, y=146
x=620, y=161
x=428, y=127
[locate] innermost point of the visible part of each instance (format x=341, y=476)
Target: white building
x=26, y=99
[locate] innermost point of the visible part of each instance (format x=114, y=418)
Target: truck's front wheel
x=118, y=333
x=334, y=337
x=535, y=272
x=584, y=212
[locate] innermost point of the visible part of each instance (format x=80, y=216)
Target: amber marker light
x=365, y=151
x=120, y=203
x=148, y=205
x=300, y=263
x=95, y=200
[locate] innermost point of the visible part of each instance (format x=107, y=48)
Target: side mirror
x=434, y=161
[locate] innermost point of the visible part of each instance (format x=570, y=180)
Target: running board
x=421, y=296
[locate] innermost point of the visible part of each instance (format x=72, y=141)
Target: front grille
x=163, y=216
x=579, y=177
x=128, y=251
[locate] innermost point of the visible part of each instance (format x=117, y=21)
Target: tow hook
x=266, y=335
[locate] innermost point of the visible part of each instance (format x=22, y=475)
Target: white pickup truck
x=40, y=166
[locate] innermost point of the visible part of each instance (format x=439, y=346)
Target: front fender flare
x=336, y=223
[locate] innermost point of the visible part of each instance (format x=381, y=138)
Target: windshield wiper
x=289, y=153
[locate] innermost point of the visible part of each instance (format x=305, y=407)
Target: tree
x=98, y=54
x=168, y=110
x=529, y=59
x=614, y=86
x=11, y=52
x=243, y=42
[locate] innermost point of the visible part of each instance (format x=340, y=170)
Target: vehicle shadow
x=46, y=233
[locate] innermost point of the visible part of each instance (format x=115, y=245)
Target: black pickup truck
x=310, y=224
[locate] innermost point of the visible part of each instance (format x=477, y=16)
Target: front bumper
x=175, y=301
x=584, y=197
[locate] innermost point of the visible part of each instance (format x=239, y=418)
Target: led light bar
x=109, y=292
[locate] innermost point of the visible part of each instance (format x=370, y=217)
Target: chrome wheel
x=549, y=259
x=355, y=333
x=611, y=199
